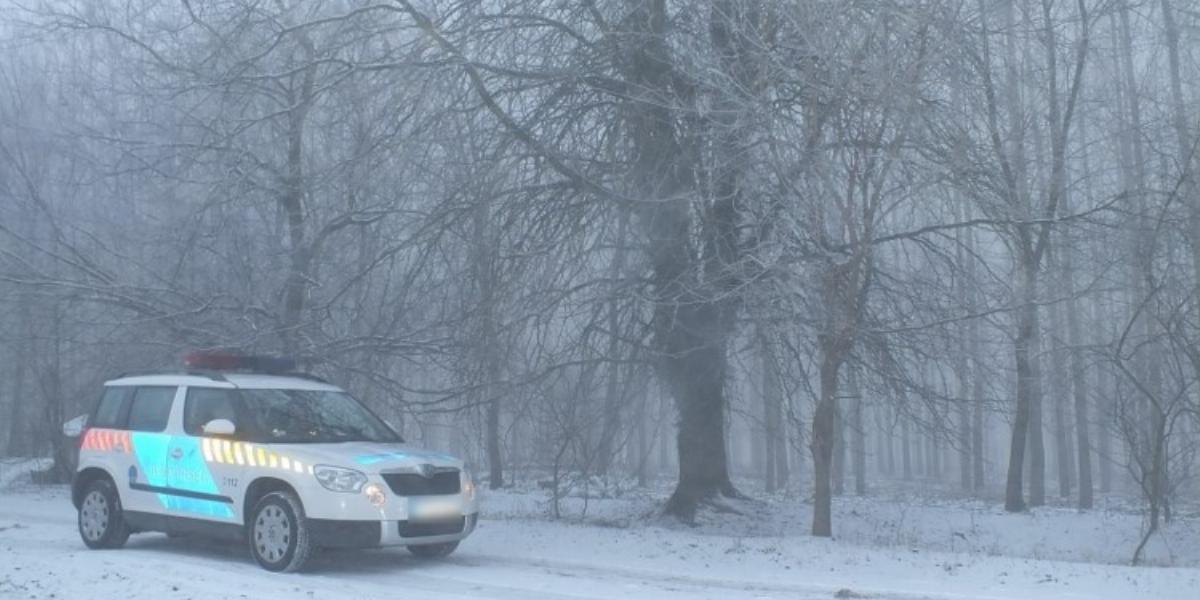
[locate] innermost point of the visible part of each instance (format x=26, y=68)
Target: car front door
x=204, y=471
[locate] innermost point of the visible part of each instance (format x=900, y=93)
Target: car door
x=148, y=416
x=106, y=444
x=204, y=483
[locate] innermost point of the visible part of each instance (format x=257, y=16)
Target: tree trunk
x=858, y=436
x=1037, y=440
x=977, y=388
x=773, y=450
x=292, y=201
x=890, y=442
x=614, y=393
x=1104, y=451
x=489, y=347
x=1075, y=339
x=698, y=380
x=905, y=450
x=19, y=440
x=1064, y=459
x=695, y=293
x=824, y=423
x=838, y=468
x=1014, y=497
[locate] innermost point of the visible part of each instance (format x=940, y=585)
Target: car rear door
x=148, y=416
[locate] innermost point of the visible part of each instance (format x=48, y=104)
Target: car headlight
x=468, y=484
x=337, y=479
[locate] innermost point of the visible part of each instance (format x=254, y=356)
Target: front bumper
x=335, y=533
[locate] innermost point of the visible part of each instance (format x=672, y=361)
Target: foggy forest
x=726, y=257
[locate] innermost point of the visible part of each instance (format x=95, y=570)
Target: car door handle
x=177, y=453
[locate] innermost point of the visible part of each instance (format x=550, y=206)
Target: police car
x=241, y=448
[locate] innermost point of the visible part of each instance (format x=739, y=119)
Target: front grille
x=427, y=528
x=441, y=483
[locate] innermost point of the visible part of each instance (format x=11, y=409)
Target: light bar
x=228, y=361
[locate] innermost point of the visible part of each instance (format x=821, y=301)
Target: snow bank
x=15, y=471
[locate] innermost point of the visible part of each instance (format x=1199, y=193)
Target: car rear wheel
x=101, y=521
x=433, y=550
x=278, y=533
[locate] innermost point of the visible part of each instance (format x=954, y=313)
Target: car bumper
x=335, y=533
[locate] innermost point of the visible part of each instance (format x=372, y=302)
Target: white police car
x=237, y=448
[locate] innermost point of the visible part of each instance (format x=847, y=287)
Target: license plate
x=431, y=509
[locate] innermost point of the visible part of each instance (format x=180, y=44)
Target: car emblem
x=425, y=470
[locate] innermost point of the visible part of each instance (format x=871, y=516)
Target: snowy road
x=41, y=557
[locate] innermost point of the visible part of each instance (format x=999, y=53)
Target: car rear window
x=150, y=408
x=111, y=407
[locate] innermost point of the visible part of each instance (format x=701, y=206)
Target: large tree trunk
x=1014, y=497
x=694, y=248
x=697, y=378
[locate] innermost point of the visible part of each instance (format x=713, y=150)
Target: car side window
x=207, y=404
x=111, y=407
x=150, y=409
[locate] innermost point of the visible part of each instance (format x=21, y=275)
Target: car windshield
x=308, y=416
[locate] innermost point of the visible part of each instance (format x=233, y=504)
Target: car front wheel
x=433, y=550
x=101, y=521
x=278, y=533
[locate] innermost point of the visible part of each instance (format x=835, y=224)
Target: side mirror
x=219, y=427
x=74, y=428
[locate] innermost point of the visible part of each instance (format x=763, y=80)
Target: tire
x=432, y=551
x=278, y=533
x=101, y=520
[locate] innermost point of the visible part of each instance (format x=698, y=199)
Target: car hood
x=370, y=457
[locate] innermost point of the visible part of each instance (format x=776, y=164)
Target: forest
x=722, y=248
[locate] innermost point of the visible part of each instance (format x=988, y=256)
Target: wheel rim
x=93, y=516
x=272, y=533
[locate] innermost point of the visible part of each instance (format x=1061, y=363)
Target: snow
x=13, y=470
x=898, y=547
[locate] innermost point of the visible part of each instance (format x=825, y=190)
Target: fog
x=708, y=253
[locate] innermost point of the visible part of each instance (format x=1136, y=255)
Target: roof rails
x=213, y=375
x=301, y=375
x=214, y=365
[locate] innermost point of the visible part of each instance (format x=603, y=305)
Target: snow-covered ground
x=894, y=548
